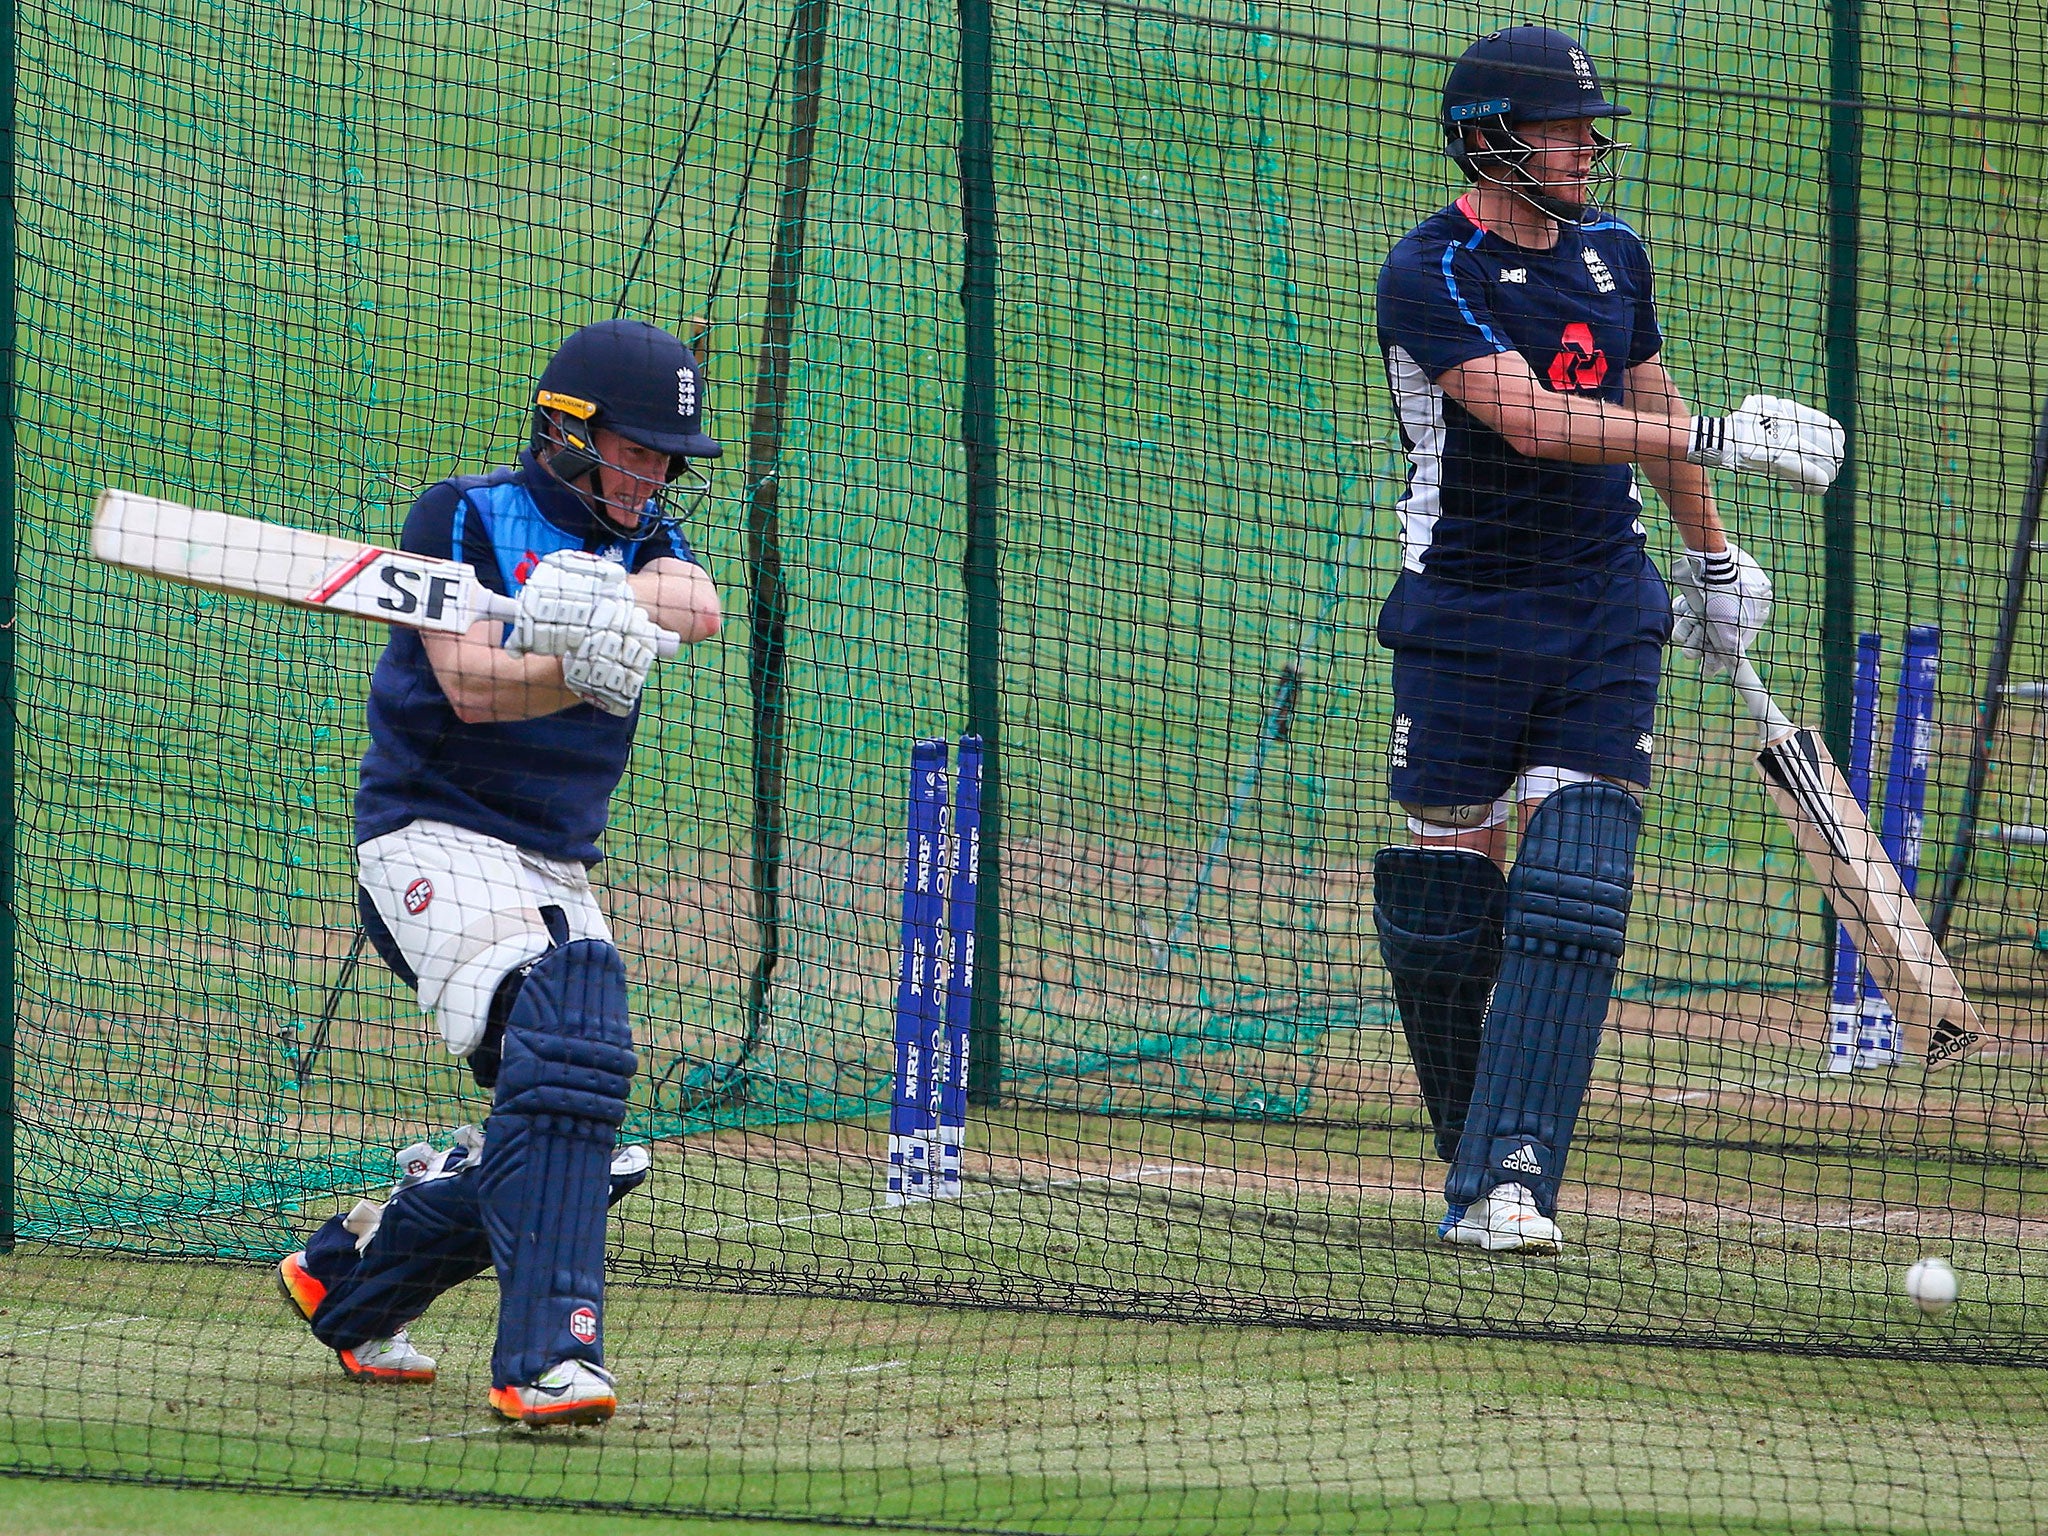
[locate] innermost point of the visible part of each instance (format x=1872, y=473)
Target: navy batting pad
x=1567, y=915
x=544, y=1179
x=1439, y=913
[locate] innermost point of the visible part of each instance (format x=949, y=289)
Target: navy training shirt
x=544, y=785
x=1475, y=511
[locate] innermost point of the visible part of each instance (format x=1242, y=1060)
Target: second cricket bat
x=1864, y=888
x=243, y=555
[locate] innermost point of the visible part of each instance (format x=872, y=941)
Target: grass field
x=68, y=1507
x=1028, y=1420
x=1685, y=1225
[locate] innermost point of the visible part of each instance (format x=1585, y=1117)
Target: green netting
x=301, y=268
x=377, y=231
x=303, y=262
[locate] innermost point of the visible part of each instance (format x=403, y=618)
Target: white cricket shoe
x=1505, y=1221
x=574, y=1392
x=392, y=1359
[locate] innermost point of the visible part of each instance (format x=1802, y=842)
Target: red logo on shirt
x=1581, y=365
x=418, y=894
x=523, y=571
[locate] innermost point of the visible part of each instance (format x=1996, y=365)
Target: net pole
x=1845, y=153
x=981, y=573
x=8, y=689
x=1838, y=630
x=768, y=607
x=1985, y=742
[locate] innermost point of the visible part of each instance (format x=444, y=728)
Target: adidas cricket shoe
x=392, y=1359
x=574, y=1392
x=1505, y=1221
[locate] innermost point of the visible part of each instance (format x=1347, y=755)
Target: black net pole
x=1993, y=702
x=980, y=431
x=1845, y=173
x=1838, y=507
x=8, y=690
x=768, y=609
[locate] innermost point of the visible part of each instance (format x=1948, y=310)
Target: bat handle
x=495, y=605
x=1756, y=698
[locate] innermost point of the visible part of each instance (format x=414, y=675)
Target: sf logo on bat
x=409, y=590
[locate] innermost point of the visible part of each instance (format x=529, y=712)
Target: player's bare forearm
x=1572, y=429
x=1681, y=485
x=1683, y=488
x=679, y=597
x=485, y=682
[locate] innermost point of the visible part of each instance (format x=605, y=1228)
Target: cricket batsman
x=1528, y=623
x=492, y=759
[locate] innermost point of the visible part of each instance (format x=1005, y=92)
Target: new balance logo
x=1522, y=1160
x=1514, y=274
x=1602, y=278
x=1646, y=743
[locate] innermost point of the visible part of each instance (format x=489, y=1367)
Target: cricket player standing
x=1528, y=623
x=492, y=759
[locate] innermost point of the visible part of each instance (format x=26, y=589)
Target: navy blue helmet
x=633, y=378
x=636, y=379
x=1514, y=76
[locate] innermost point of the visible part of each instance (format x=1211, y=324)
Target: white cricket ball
x=1932, y=1285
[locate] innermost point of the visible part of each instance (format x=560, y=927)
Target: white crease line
x=1880, y=1219
x=1760, y=1085
x=705, y=1394
x=1725, y=1218
x=105, y=1322
x=459, y=1434
x=1135, y=1175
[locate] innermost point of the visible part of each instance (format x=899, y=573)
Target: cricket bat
x=1864, y=888
x=242, y=555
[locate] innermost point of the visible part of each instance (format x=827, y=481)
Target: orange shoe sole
x=305, y=1294
x=589, y=1410
x=362, y=1372
x=300, y=1288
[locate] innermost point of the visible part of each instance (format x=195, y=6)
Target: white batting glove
x=569, y=596
x=1719, y=607
x=610, y=666
x=1766, y=435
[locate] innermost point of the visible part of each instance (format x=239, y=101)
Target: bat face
x=1868, y=896
x=284, y=565
x=251, y=558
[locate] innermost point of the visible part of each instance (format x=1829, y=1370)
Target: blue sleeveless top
x=543, y=785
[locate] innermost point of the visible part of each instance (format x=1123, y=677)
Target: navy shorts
x=1490, y=682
